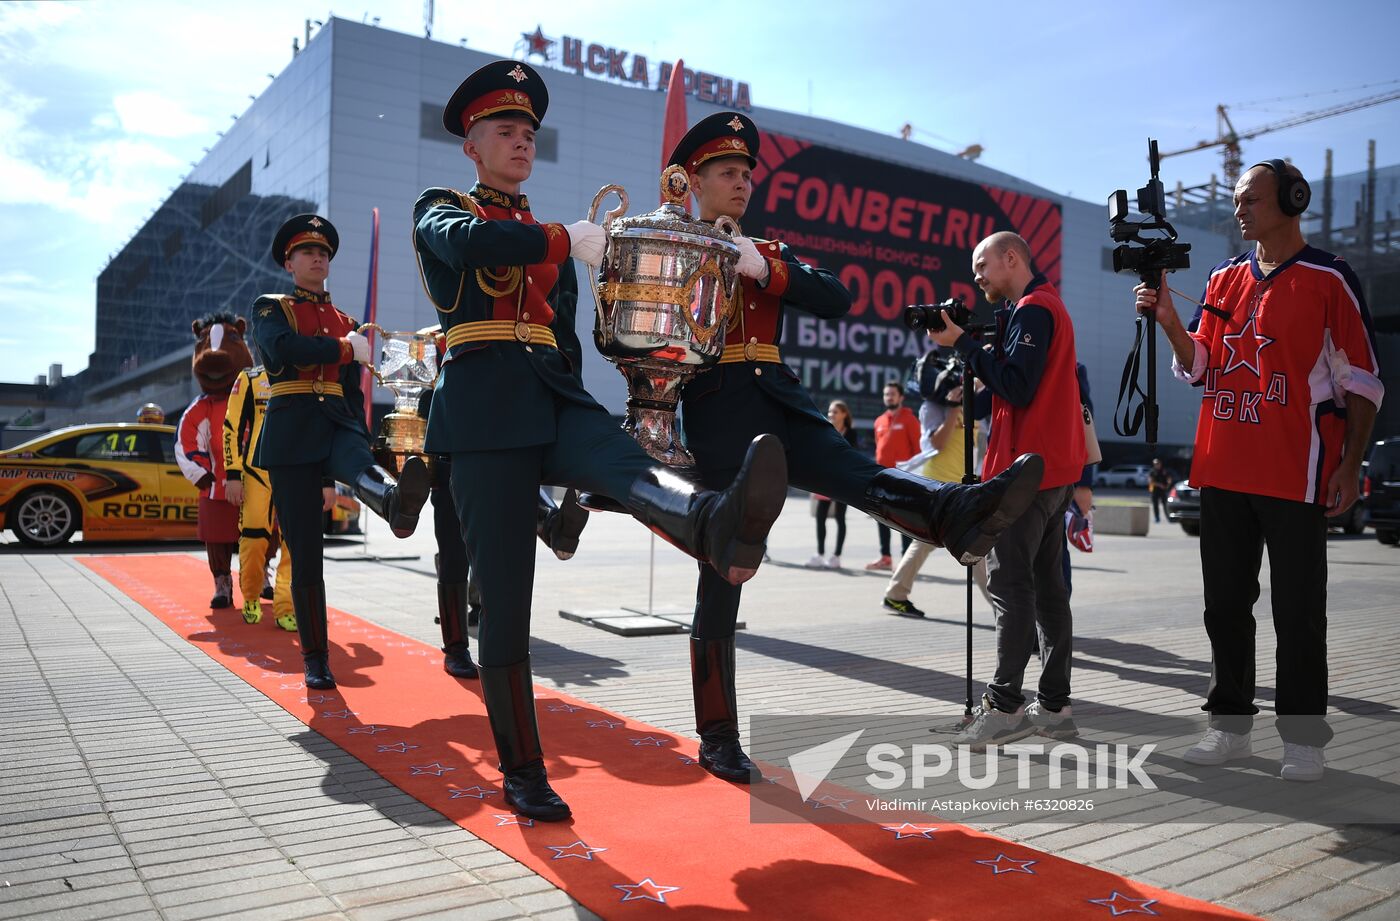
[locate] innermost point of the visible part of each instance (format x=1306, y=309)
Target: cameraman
x=1284, y=346
x=1030, y=370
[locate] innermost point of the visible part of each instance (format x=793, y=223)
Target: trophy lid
x=673, y=218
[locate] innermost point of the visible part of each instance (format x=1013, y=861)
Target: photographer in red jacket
x=1030, y=371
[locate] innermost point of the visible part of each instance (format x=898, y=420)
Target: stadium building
x=353, y=124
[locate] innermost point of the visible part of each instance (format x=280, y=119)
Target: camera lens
x=923, y=316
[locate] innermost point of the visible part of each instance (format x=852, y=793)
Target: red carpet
x=653, y=835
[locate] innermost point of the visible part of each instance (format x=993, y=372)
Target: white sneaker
x=1218, y=746
x=1302, y=762
x=816, y=562
x=833, y=562
x=990, y=726
x=1050, y=723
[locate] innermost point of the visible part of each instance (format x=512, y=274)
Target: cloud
x=152, y=114
x=24, y=19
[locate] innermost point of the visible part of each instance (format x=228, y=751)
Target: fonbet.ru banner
x=893, y=235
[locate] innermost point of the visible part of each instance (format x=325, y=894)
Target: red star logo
x=1245, y=347
x=536, y=43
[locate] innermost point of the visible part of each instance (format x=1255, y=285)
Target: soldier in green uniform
x=459, y=601
x=752, y=391
x=511, y=410
x=314, y=432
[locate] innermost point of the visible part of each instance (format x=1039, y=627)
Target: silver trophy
x=408, y=365
x=667, y=287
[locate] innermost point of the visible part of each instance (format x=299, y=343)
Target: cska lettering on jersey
x=1243, y=405
x=1276, y=374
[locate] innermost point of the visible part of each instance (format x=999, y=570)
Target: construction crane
x=1230, y=139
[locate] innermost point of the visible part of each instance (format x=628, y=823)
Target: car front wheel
x=44, y=518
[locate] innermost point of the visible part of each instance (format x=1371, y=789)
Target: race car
x=116, y=481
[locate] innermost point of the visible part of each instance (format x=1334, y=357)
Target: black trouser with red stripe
x=1235, y=529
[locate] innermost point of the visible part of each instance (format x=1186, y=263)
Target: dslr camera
x=1147, y=257
x=930, y=317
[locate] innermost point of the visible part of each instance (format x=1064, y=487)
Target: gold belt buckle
x=751, y=351
x=522, y=331
x=318, y=386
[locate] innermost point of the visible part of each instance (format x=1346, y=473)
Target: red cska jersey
x=1276, y=374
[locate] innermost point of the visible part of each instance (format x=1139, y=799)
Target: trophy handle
x=731, y=302
x=614, y=214
x=611, y=216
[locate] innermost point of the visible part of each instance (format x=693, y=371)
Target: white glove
x=751, y=264
x=587, y=241
x=359, y=347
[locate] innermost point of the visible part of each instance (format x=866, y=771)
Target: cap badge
x=735, y=123
x=315, y=222
x=518, y=75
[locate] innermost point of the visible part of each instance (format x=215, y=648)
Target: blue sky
x=107, y=102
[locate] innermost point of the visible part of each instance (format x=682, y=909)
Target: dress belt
x=749, y=351
x=501, y=331
x=317, y=387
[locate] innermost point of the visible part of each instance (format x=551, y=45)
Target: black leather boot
x=725, y=529
x=717, y=711
x=452, y=615
x=509, y=692
x=559, y=526
x=967, y=519
x=396, y=501
x=309, y=602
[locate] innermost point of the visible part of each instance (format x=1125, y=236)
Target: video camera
x=1152, y=255
x=930, y=317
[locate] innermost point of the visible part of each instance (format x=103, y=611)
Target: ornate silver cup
x=408, y=366
x=666, y=289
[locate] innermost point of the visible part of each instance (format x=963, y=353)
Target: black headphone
x=1294, y=193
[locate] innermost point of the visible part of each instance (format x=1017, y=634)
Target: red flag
x=371, y=309
x=673, y=122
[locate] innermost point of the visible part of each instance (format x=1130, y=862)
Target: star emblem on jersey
x=577, y=849
x=735, y=123
x=1004, y=864
x=1121, y=904
x=910, y=830
x=646, y=890
x=517, y=74
x=1245, y=347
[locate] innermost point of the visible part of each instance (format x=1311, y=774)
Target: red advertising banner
x=894, y=235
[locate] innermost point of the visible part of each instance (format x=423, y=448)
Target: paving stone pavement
x=141, y=779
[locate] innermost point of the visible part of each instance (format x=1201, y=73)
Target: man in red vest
x=1030, y=371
